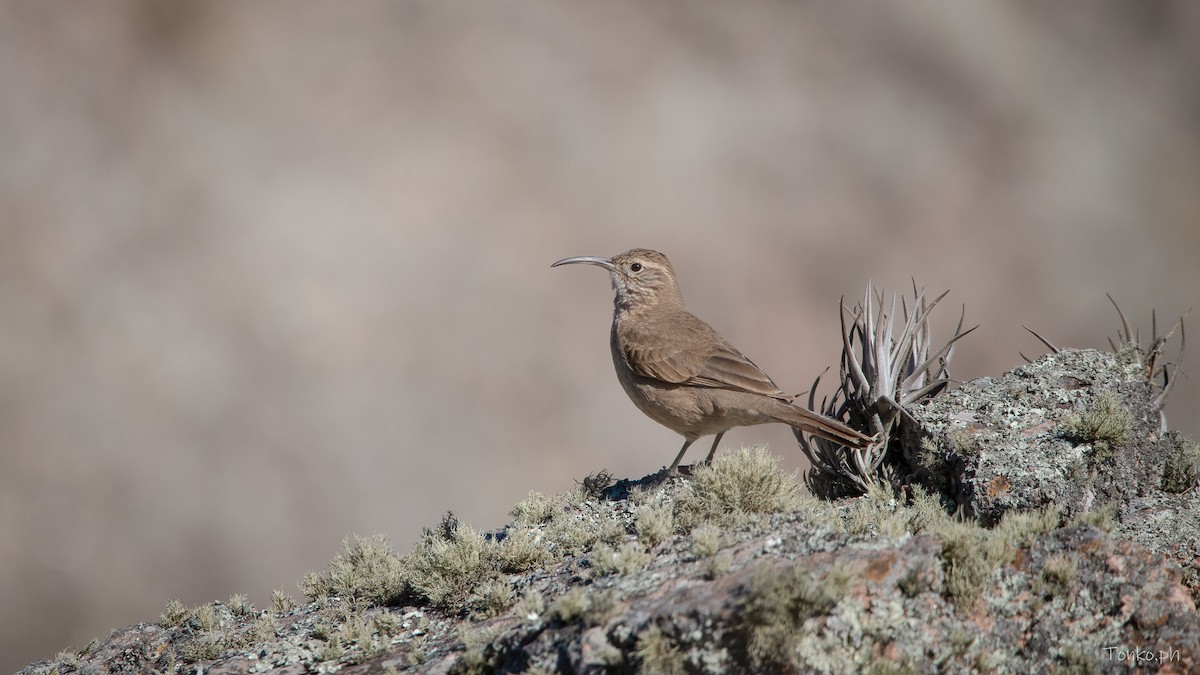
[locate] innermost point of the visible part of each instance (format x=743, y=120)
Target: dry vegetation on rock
x=1041, y=521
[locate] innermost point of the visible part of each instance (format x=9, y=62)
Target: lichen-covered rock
x=1074, y=599
x=1168, y=524
x=733, y=571
x=1078, y=429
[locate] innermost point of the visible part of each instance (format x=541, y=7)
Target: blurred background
x=275, y=273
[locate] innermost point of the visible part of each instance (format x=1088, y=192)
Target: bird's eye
x=636, y=267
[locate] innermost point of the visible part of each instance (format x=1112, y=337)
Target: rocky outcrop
x=1076, y=559
x=1078, y=429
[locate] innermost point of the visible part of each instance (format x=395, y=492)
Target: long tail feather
x=819, y=425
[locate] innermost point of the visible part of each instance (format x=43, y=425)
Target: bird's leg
x=713, y=451
x=671, y=471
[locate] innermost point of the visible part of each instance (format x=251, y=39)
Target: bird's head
x=640, y=277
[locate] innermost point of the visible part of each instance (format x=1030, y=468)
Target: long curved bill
x=606, y=263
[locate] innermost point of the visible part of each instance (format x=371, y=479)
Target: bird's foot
x=681, y=471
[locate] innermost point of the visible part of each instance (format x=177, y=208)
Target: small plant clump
x=174, y=614
x=240, y=605
x=1106, y=426
x=496, y=596
x=205, y=618
x=594, y=485
x=627, y=559
x=365, y=572
x=655, y=522
x=535, y=509
x=203, y=648
x=706, y=541
x=1057, y=577
x=454, y=566
x=1182, y=470
x=572, y=605
x=282, y=601
x=657, y=653
x=880, y=375
x=530, y=607
x=478, y=655
x=970, y=554
x=211, y=629
x=737, y=484
x=68, y=658
x=969, y=557
x=582, y=604
x=447, y=565
x=1102, y=517
x=521, y=550
x=706, y=544
x=1021, y=528
x=780, y=599
x=878, y=513
x=883, y=512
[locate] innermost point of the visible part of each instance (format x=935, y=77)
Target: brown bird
x=682, y=373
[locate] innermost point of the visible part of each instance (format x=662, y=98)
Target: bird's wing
x=728, y=368
x=694, y=354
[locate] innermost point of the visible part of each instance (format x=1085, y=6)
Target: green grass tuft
x=240, y=605
x=657, y=653
x=174, y=614
x=530, y=607
x=365, y=572
x=478, y=655
x=1021, y=528
x=970, y=554
x=1102, y=518
x=879, y=513
x=966, y=562
x=748, y=481
x=522, y=550
x=203, y=648
x=495, y=597
x=1057, y=577
x=535, y=509
x=1182, y=470
x=572, y=605
x=446, y=566
x=282, y=601
x=630, y=557
x=205, y=618
x=573, y=532
x=706, y=541
x=655, y=522
x=1106, y=426
x=68, y=658
x=779, y=600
